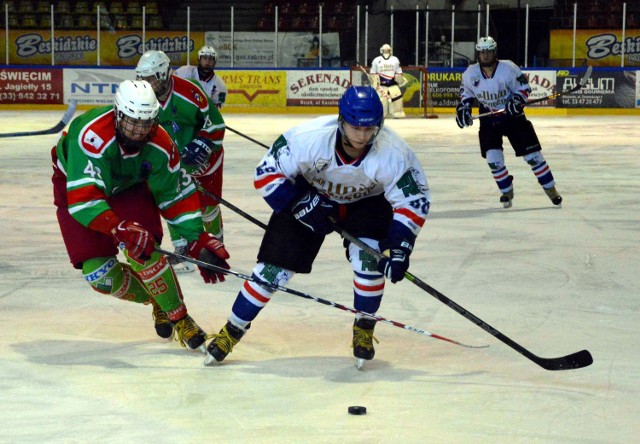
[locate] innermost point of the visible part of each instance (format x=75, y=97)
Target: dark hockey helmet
x=361, y=106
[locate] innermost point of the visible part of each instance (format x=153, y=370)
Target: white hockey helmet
x=386, y=50
x=486, y=44
x=137, y=101
x=208, y=51
x=153, y=63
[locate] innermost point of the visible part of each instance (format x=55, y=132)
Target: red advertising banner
x=29, y=85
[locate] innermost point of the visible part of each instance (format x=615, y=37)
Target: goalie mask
x=386, y=51
x=136, y=109
x=155, y=68
x=207, y=58
x=360, y=106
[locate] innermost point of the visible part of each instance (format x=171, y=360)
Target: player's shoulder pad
x=190, y=90
x=97, y=130
x=163, y=142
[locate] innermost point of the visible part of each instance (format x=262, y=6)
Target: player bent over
x=501, y=85
x=350, y=169
x=114, y=174
x=387, y=78
x=196, y=126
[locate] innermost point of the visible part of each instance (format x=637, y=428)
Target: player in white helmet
x=188, y=114
x=206, y=75
x=115, y=172
x=387, y=79
x=501, y=85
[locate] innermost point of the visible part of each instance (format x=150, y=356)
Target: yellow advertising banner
x=599, y=47
x=255, y=88
x=117, y=48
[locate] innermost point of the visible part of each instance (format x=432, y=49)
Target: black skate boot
x=553, y=194
x=507, y=197
x=189, y=334
x=224, y=342
x=363, y=340
x=162, y=323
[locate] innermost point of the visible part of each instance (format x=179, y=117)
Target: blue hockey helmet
x=361, y=106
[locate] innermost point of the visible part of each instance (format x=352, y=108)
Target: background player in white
x=501, y=85
x=206, y=75
x=348, y=168
x=387, y=78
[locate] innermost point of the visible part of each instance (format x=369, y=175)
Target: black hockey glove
x=197, y=151
x=463, y=114
x=395, y=262
x=314, y=211
x=515, y=105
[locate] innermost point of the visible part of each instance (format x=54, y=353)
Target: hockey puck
x=357, y=410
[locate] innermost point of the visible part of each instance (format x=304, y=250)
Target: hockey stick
x=232, y=207
x=247, y=137
x=308, y=296
x=581, y=83
x=573, y=361
x=66, y=118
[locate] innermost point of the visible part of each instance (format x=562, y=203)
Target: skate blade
x=184, y=268
x=209, y=360
x=360, y=363
x=507, y=204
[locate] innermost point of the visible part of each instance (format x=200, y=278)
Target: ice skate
x=162, y=323
x=555, y=197
x=363, y=340
x=179, y=265
x=223, y=343
x=507, y=198
x=189, y=334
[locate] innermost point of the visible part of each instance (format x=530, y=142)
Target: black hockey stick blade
x=573, y=361
x=68, y=115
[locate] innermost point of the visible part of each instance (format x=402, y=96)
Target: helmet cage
x=137, y=113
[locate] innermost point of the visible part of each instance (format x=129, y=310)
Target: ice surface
x=80, y=367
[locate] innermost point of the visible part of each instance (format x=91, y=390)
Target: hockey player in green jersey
x=115, y=172
x=196, y=126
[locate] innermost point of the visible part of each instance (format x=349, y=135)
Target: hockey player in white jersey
x=349, y=169
x=501, y=85
x=206, y=75
x=387, y=79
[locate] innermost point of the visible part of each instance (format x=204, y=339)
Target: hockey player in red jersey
x=115, y=172
x=501, y=85
x=350, y=169
x=196, y=126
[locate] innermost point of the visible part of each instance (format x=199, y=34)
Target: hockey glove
x=133, y=237
x=313, y=211
x=197, y=151
x=395, y=262
x=515, y=105
x=210, y=250
x=463, y=115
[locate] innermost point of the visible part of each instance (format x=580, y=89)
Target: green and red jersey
x=97, y=168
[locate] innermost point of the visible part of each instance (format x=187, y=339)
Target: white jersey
x=494, y=92
x=309, y=150
x=386, y=69
x=213, y=85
